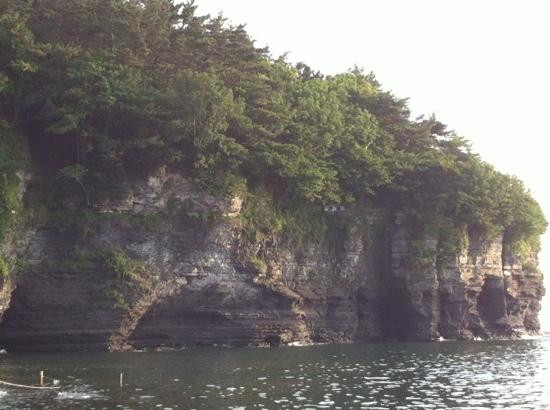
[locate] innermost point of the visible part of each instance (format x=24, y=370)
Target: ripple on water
x=401, y=376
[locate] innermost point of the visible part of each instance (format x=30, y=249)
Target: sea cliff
x=166, y=266
x=165, y=182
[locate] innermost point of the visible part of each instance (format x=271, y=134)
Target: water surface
x=462, y=375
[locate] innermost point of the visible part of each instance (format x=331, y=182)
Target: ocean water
x=460, y=375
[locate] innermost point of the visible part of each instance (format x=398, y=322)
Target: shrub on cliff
x=12, y=159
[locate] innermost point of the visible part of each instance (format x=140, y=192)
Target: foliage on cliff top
x=116, y=88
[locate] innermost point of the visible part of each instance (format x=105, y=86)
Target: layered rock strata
x=164, y=267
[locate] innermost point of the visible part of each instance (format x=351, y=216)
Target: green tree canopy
x=116, y=88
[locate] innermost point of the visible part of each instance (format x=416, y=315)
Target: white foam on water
x=67, y=395
x=297, y=344
x=531, y=337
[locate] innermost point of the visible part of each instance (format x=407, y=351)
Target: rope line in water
x=29, y=387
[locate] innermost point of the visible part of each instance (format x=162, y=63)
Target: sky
x=482, y=66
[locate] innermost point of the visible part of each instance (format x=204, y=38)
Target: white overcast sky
x=482, y=66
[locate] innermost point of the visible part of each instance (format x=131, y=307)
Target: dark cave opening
x=491, y=301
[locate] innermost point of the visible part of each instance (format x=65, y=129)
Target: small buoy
x=3, y=351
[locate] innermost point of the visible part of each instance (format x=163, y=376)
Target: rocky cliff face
x=165, y=266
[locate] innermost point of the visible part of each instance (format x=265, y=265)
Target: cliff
x=188, y=188
x=166, y=265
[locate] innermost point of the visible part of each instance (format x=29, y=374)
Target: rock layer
x=188, y=282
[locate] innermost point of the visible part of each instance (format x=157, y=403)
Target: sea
x=438, y=375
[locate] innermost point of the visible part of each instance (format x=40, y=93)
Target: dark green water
x=474, y=375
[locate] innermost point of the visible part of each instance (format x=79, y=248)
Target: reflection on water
x=475, y=375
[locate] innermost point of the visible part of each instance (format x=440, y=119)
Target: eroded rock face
x=164, y=266
x=523, y=293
